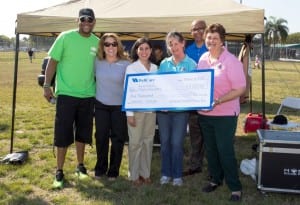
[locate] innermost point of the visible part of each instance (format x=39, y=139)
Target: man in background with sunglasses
x=72, y=58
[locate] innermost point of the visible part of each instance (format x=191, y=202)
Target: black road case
x=279, y=161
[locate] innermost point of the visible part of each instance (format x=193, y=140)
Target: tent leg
x=14, y=93
x=263, y=80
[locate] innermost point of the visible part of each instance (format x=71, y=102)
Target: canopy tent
x=134, y=18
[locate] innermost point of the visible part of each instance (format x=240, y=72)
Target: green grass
x=31, y=182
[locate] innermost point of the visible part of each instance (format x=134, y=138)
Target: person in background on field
x=195, y=51
x=218, y=125
x=245, y=58
x=111, y=124
x=257, y=62
x=141, y=125
x=173, y=124
x=72, y=58
x=158, y=53
x=30, y=54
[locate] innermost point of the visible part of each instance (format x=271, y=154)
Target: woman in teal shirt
x=173, y=124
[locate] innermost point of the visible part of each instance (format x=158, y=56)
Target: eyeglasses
x=114, y=44
x=198, y=30
x=86, y=18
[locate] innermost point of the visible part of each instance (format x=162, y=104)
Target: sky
x=8, y=13
x=286, y=9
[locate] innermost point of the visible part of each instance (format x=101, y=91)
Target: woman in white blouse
x=141, y=125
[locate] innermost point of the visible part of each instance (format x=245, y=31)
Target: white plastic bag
x=248, y=167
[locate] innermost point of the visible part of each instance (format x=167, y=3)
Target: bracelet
x=46, y=85
x=218, y=101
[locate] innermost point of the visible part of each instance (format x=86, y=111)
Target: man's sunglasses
x=114, y=44
x=86, y=18
x=198, y=29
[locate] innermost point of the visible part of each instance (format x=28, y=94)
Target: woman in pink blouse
x=219, y=124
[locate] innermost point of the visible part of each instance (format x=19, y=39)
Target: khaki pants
x=141, y=145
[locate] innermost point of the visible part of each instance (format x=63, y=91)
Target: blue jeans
x=172, y=129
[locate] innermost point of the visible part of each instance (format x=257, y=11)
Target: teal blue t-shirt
x=187, y=64
x=167, y=65
x=75, y=69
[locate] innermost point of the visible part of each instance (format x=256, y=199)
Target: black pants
x=218, y=133
x=197, y=142
x=111, y=124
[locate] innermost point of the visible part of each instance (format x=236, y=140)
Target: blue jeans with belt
x=172, y=129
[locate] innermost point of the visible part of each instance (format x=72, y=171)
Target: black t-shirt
x=30, y=53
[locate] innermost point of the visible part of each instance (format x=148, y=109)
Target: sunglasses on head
x=114, y=44
x=86, y=18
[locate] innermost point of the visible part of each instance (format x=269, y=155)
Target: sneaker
x=98, y=177
x=111, y=179
x=59, y=180
x=81, y=172
x=164, y=180
x=177, y=182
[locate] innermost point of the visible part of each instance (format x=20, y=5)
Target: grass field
x=30, y=183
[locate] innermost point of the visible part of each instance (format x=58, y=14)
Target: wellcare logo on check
x=136, y=80
x=168, y=91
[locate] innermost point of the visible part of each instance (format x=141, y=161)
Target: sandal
x=210, y=187
x=235, y=197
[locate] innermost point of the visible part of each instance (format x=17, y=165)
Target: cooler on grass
x=279, y=161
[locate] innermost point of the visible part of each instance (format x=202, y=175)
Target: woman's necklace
x=213, y=59
x=177, y=59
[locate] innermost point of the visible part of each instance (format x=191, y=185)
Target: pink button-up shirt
x=228, y=75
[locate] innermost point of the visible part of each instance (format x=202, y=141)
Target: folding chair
x=292, y=103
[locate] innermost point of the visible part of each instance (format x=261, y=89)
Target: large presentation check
x=169, y=91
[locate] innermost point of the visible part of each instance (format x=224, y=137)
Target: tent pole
x=263, y=78
x=14, y=93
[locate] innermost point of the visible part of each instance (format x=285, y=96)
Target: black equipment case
x=278, y=168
